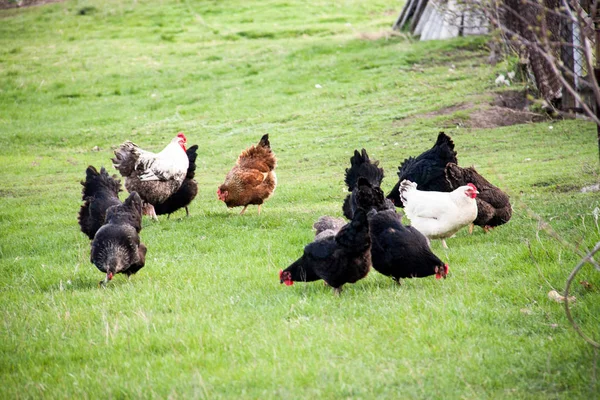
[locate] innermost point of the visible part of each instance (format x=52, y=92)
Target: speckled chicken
x=154, y=176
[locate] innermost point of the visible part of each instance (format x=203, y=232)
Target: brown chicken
x=252, y=180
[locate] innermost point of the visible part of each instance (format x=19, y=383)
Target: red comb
x=181, y=135
x=446, y=269
x=471, y=186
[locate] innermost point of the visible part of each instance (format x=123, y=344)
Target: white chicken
x=439, y=215
x=154, y=176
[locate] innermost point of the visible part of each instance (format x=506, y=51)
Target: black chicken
x=186, y=192
x=100, y=191
x=401, y=251
x=396, y=250
x=362, y=170
x=428, y=170
x=116, y=248
x=343, y=258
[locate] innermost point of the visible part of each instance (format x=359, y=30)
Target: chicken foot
x=107, y=278
x=148, y=209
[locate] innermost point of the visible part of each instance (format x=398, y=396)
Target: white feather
x=171, y=163
x=438, y=215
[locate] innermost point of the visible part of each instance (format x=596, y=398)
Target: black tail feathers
x=192, y=155
x=96, y=181
x=264, y=141
x=361, y=166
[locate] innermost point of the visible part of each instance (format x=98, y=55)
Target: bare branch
x=575, y=271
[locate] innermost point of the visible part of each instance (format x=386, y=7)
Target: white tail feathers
x=405, y=187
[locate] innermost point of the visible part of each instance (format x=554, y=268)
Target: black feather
x=428, y=169
x=343, y=258
x=186, y=192
x=116, y=248
x=100, y=191
x=400, y=251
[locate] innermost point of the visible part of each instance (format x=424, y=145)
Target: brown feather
x=252, y=180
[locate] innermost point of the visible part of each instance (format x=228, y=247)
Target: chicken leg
x=444, y=243
x=259, y=208
x=244, y=209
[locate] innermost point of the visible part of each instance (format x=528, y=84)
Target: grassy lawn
x=207, y=317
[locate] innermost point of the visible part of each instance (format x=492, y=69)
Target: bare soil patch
x=507, y=108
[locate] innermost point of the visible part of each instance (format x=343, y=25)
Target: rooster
x=155, y=177
x=439, y=215
x=428, y=170
x=186, y=192
x=100, y=191
x=116, y=248
x=361, y=168
x=252, y=180
x=401, y=251
x=337, y=259
x=493, y=205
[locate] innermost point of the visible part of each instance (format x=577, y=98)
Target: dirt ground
x=507, y=108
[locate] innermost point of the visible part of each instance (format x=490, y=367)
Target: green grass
x=207, y=317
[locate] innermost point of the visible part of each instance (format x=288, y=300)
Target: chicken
x=439, y=215
x=401, y=251
x=327, y=223
x=186, y=192
x=396, y=250
x=493, y=205
x=100, y=191
x=155, y=177
x=340, y=259
x=362, y=167
x=428, y=169
x=116, y=248
x=252, y=180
